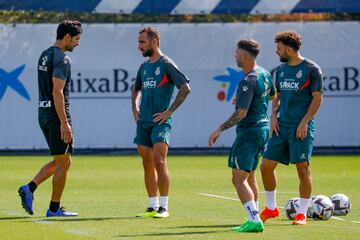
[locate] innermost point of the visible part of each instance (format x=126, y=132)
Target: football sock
x=252, y=212
x=164, y=201
x=270, y=199
x=54, y=206
x=154, y=202
x=32, y=186
x=304, y=203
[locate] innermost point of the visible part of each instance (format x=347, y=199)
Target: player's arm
x=182, y=83
x=60, y=74
x=183, y=92
x=275, y=104
x=313, y=109
x=247, y=89
x=274, y=123
x=59, y=102
x=317, y=90
x=135, y=105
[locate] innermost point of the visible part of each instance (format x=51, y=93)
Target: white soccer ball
x=341, y=204
x=291, y=208
x=322, y=207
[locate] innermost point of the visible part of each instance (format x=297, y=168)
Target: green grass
x=108, y=191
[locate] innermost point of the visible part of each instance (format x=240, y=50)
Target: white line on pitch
x=337, y=218
x=221, y=197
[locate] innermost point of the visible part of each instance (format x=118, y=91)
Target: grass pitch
x=108, y=191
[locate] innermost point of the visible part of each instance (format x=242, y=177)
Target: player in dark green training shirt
x=155, y=83
x=252, y=132
x=299, y=85
x=54, y=118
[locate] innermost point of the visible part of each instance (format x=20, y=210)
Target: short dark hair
x=68, y=27
x=152, y=33
x=289, y=38
x=249, y=45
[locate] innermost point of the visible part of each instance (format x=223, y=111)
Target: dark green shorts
x=248, y=147
x=50, y=126
x=286, y=148
x=148, y=135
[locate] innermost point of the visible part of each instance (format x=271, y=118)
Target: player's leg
x=246, y=196
x=254, y=187
x=160, y=137
x=26, y=191
x=150, y=178
x=45, y=172
x=243, y=164
x=145, y=150
x=277, y=151
x=300, y=152
x=160, y=155
x=61, y=152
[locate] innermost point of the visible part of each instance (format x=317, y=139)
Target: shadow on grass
x=13, y=218
x=84, y=219
x=207, y=226
x=169, y=234
x=71, y=219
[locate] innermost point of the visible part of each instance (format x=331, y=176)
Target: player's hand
x=274, y=126
x=136, y=113
x=162, y=117
x=301, y=131
x=66, y=132
x=234, y=101
x=214, y=136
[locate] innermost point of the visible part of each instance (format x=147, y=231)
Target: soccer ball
x=341, y=204
x=322, y=207
x=291, y=208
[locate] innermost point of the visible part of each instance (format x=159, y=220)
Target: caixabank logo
x=229, y=83
x=111, y=84
x=10, y=80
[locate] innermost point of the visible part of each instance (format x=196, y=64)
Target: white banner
x=105, y=64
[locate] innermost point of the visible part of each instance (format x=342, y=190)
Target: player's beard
x=284, y=60
x=148, y=53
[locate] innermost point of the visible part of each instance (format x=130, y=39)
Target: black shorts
x=50, y=126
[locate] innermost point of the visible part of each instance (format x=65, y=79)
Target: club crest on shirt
x=157, y=71
x=144, y=73
x=299, y=74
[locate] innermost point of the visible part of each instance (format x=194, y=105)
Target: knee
x=160, y=163
x=64, y=164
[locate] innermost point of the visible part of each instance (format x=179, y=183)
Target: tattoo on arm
x=238, y=115
x=180, y=97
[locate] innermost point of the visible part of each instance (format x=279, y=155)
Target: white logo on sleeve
x=282, y=74
x=44, y=60
x=157, y=71
x=299, y=74
x=43, y=66
x=245, y=88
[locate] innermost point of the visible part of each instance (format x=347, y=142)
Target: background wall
x=105, y=64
